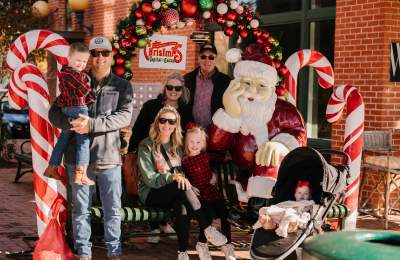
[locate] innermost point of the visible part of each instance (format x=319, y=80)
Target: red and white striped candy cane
x=353, y=140
x=302, y=58
x=29, y=87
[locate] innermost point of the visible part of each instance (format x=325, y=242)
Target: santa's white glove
x=269, y=154
x=230, y=98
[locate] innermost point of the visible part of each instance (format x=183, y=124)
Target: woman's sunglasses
x=177, y=88
x=162, y=121
x=204, y=57
x=104, y=53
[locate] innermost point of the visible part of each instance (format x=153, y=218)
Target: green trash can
x=355, y=245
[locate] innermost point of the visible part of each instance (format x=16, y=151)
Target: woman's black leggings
x=183, y=203
x=216, y=209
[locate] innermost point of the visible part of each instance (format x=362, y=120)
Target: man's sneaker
x=214, y=236
x=167, y=229
x=183, y=256
x=154, y=239
x=202, y=250
x=229, y=251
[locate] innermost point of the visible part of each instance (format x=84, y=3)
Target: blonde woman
x=162, y=183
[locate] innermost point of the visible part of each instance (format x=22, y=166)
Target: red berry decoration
x=119, y=60
x=260, y=40
x=133, y=40
x=283, y=70
x=229, y=31
x=147, y=8
x=243, y=34
x=114, y=52
x=151, y=18
x=125, y=43
x=231, y=16
x=189, y=8
x=257, y=32
x=119, y=71
x=277, y=63
x=221, y=20
x=280, y=90
x=265, y=35
x=268, y=48
x=240, y=26
x=148, y=26
x=138, y=14
x=170, y=17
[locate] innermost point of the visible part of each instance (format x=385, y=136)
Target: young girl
x=197, y=169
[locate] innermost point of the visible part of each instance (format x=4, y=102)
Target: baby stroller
x=327, y=185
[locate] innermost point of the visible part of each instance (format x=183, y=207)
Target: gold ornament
x=78, y=5
x=40, y=9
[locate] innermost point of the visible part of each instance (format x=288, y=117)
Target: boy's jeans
x=110, y=189
x=82, y=141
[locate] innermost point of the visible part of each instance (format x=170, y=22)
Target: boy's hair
x=203, y=136
x=78, y=47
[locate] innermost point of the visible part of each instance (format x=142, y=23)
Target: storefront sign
x=395, y=62
x=164, y=52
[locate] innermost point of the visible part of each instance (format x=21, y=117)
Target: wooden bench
x=23, y=158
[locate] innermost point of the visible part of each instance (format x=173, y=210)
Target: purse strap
x=166, y=157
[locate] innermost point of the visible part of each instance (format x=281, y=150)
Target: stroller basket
x=327, y=184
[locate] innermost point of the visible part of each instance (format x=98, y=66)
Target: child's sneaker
x=167, y=229
x=183, y=256
x=214, y=236
x=202, y=250
x=52, y=172
x=229, y=251
x=154, y=239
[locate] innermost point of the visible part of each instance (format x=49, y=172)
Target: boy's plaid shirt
x=75, y=88
x=197, y=169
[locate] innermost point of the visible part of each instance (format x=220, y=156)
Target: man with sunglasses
x=206, y=85
x=111, y=111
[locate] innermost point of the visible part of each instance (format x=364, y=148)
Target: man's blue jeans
x=110, y=189
x=82, y=140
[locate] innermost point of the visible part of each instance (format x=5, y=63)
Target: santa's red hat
x=254, y=64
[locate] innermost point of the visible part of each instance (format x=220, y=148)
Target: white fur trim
x=287, y=140
x=260, y=187
x=256, y=70
x=224, y=121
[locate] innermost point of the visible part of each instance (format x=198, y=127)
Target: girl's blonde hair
x=203, y=136
x=176, y=136
x=185, y=91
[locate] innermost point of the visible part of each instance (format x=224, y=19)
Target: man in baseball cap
x=111, y=111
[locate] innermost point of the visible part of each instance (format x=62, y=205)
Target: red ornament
x=257, y=32
x=229, y=31
x=151, y=18
x=125, y=43
x=119, y=71
x=243, y=33
x=170, y=17
x=277, y=63
x=265, y=35
x=249, y=17
x=114, y=52
x=147, y=8
x=138, y=14
x=133, y=40
x=280, y=90
x=268, y=48
x=270, y=40
x=148, y=26
x=231, y=16
x=220, y=1
x=240, y=26
x=119, y=60
x=189, y=8
x=283, y=70
x=260, y=40
x=221, y=20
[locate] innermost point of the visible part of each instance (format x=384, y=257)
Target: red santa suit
x=283, y=123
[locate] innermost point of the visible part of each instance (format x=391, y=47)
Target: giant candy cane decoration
x=354, y=126
x=28, y=87
x=353, y=138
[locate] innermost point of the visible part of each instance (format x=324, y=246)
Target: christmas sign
x=164, y=52
x=395, y=62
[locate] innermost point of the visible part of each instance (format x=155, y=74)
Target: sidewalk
x=17, y=219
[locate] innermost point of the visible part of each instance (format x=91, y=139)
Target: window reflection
x=322, y=3
x=288, y=36
x=278, y=6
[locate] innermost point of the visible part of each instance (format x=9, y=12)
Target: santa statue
x=256, y=126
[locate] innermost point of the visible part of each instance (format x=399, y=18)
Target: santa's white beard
x=255, y=116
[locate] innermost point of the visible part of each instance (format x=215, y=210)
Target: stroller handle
x=336, y=152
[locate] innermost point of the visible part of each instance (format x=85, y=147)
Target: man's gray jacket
x=111, y=111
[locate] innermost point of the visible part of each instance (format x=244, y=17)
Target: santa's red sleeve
x=220, y=133
x=287, y=126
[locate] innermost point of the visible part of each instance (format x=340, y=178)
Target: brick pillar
x=364, y=31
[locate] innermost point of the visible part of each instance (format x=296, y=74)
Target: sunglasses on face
x=204, y=57
x=177, y=88
x=104, y=53
x=162, y=121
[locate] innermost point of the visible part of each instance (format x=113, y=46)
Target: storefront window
x=288, y=36
x=278, y=6
x=322, y=3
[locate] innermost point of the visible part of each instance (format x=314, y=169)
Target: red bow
x=303, y=183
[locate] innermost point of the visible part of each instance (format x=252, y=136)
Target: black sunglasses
x=177, y=88
x=162, y=121
x=104, y=53
x=204, y=57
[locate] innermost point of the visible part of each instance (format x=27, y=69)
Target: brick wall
x=364, y=31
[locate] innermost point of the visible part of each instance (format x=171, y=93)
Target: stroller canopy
x=306, y=163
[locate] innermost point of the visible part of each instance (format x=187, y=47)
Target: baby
x=286, y=217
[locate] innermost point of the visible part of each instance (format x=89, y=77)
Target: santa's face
x=302, y=193
x=256, y=89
